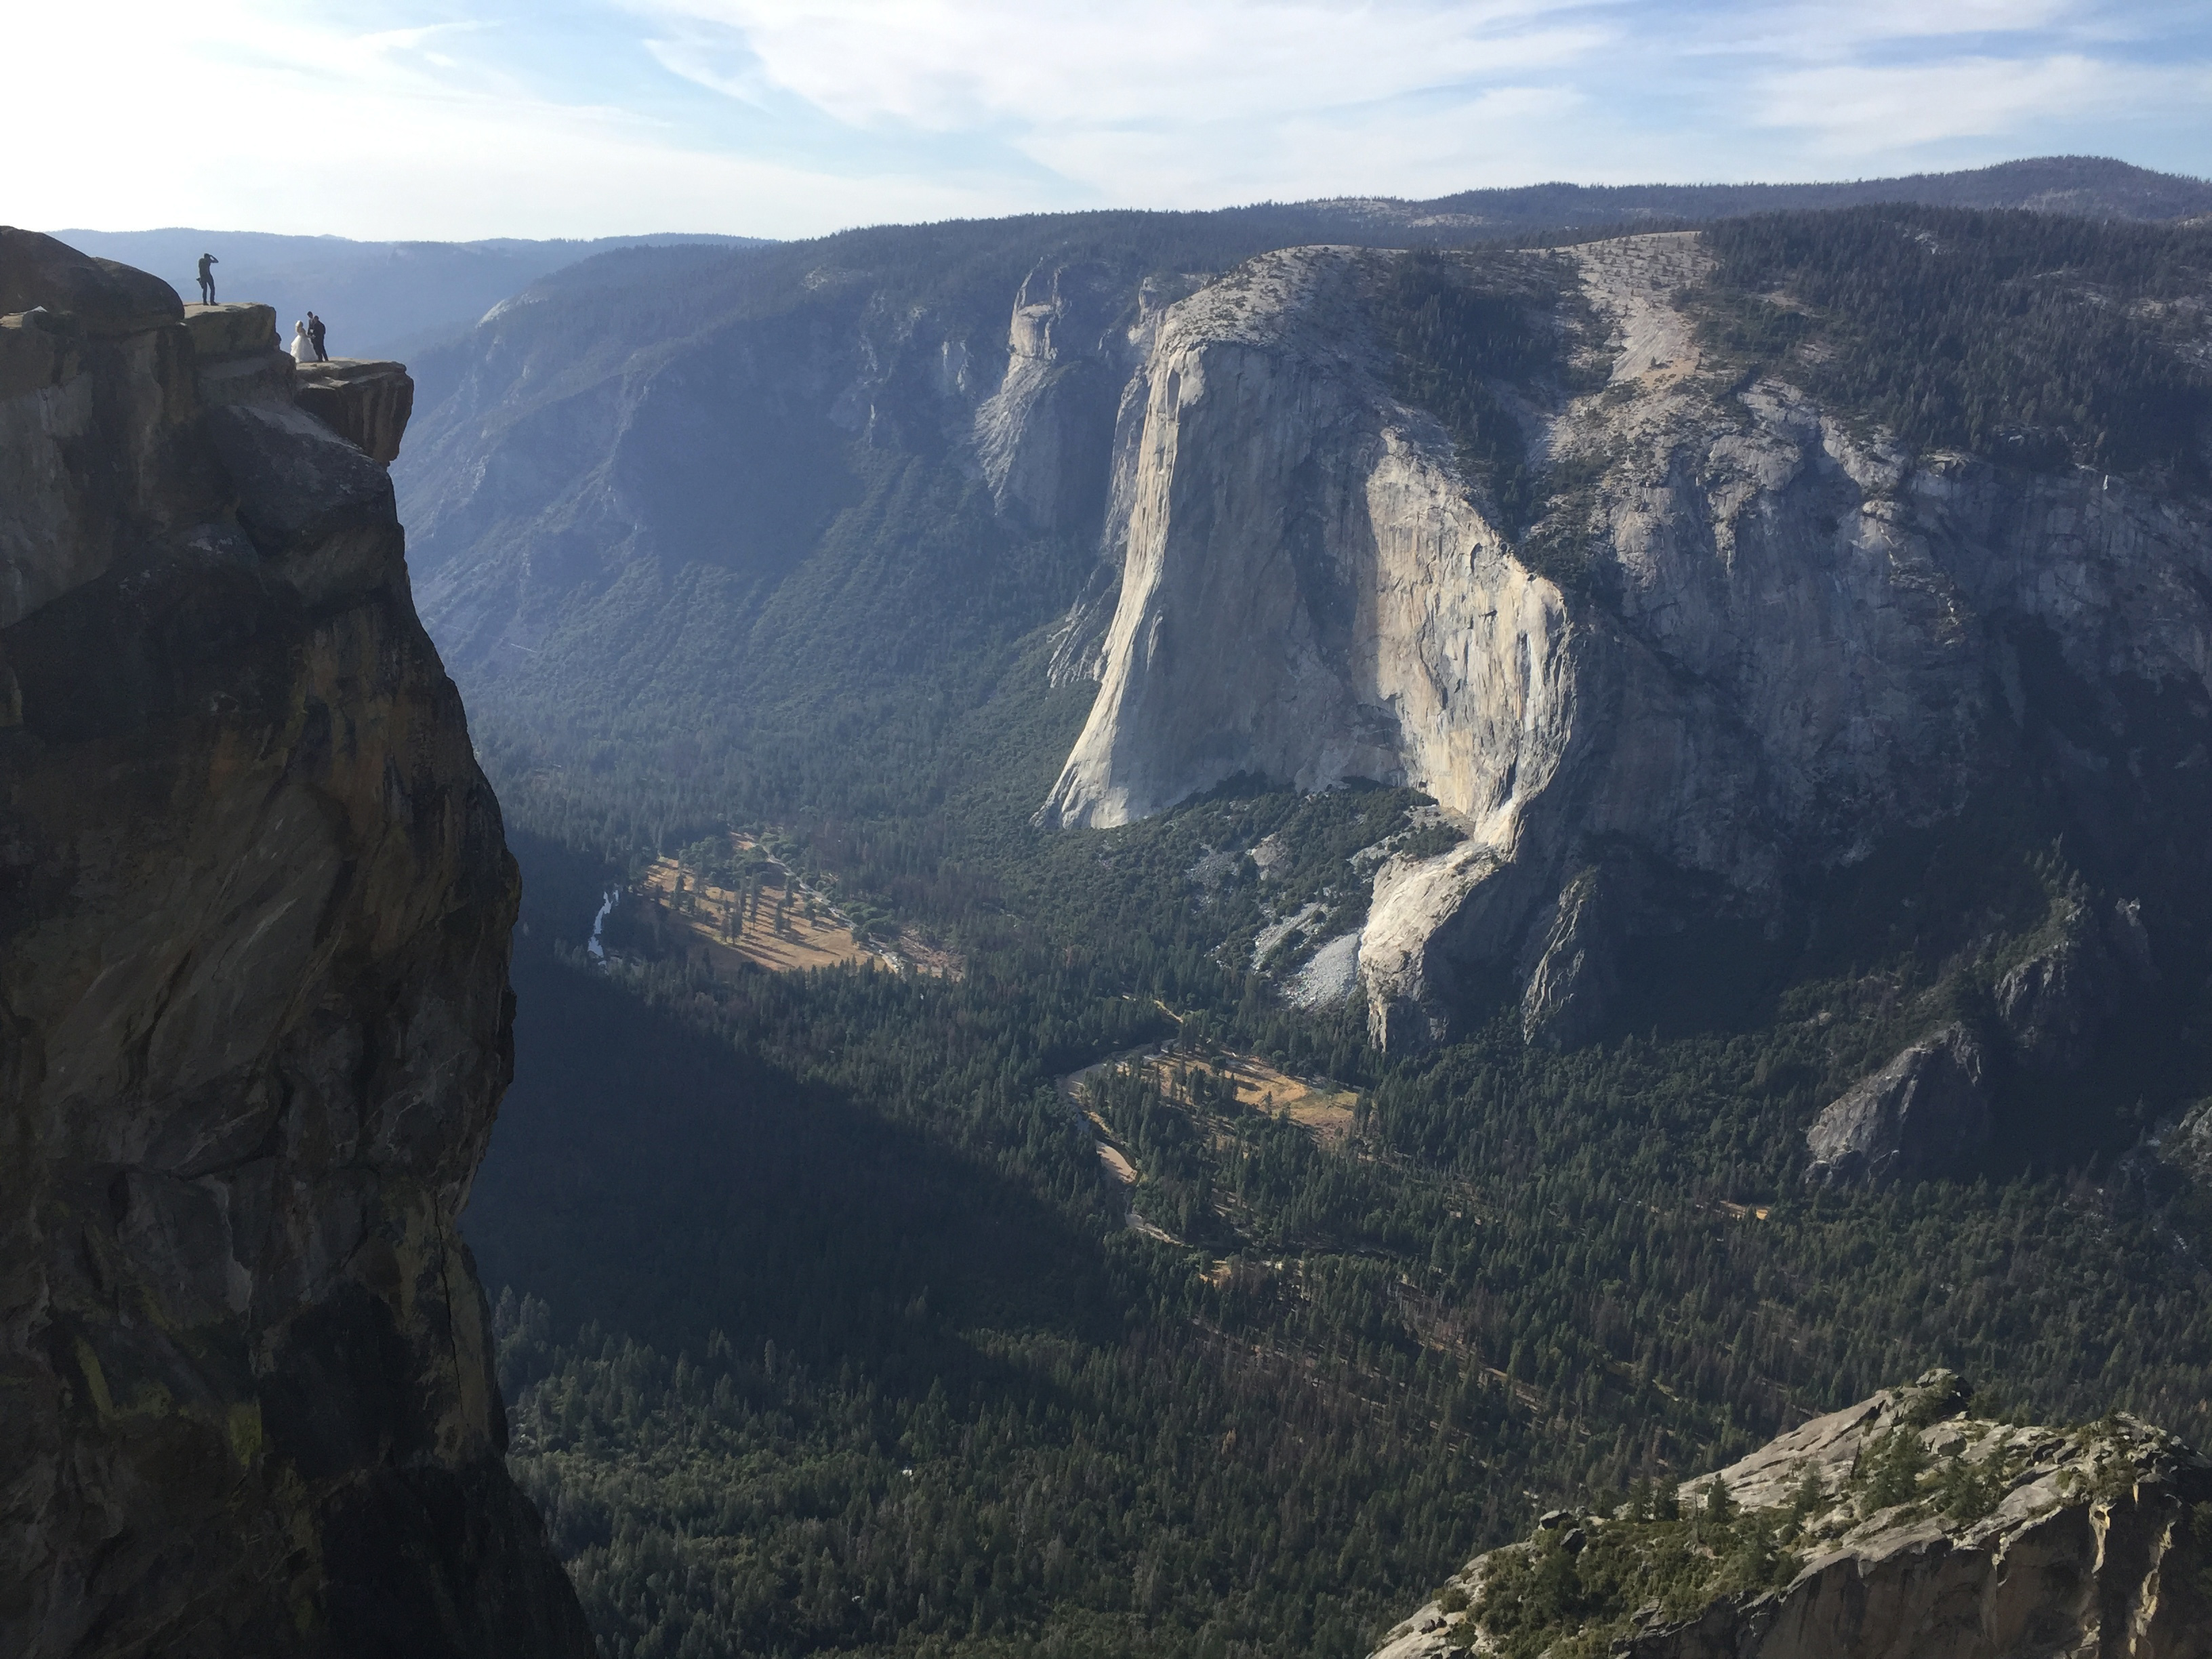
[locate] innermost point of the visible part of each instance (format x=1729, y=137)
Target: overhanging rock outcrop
x=365, y=402
x=254, y=1023
x=1902, y=1528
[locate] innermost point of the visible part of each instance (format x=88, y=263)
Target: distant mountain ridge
x=2092, y=187
x=381, y=299
x=396, y=299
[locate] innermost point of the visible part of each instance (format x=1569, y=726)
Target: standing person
x=315, y=333
x=302, y=347
x=208, y=262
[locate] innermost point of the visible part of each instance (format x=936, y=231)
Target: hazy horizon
x=665, y=232
x=424, y=120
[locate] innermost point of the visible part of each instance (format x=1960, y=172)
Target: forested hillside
x=823, y=1329
x=824, y=1326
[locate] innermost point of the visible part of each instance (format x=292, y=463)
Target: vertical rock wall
x=1794, y=640
x=254, y=1022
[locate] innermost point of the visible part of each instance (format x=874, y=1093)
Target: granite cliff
x=1746, y=638
x=1904, y=1527
x=650, y=468
x=1679, y=643
x=254, y=1016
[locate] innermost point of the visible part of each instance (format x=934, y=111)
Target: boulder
x=234, y=329
x=235, y=359
x=96, y=297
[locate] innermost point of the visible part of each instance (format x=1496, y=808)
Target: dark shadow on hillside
x=659, y=1183
x=2104, y=789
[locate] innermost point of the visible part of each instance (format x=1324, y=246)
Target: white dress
x=303, y=350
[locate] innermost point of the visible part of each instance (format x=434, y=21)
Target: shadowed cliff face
x=254, y=1020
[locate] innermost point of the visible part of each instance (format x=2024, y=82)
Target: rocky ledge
x=365, y=402
x=1903, y=1528
x=254, y=1020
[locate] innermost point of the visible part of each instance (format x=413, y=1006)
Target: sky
x=394, y=119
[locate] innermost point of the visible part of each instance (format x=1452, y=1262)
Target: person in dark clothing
x=315, y=334
x=208, y=262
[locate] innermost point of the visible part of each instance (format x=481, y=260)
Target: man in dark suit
x=315, y=334
x=208, y=262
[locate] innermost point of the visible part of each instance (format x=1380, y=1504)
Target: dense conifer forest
x=824, y=1327
x=2027, y=337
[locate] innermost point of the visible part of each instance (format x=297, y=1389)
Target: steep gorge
x=254, y=1016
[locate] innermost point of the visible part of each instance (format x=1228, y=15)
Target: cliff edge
x=254, y=1019
x=1904, y=1527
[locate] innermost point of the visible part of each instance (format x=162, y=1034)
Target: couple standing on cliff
x=306, y=334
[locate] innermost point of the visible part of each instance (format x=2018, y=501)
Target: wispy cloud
x=1855, y=109
x=270, y=117
x=462, y=117
x=953, y=64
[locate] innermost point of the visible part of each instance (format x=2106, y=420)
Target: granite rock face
x=1041, y=439
x=1925, y=1114
x=1797, y=640
x=1931, y=1110
x=254, y=1023
x=366, y=402
x=2065, y=1543
x=2053, y=1005
x=1303, y=581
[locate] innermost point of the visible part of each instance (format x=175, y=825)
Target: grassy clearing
x=773, y=923
x=1316, y=1104
x=746, y=907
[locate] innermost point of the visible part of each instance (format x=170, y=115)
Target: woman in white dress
x=303, y=350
